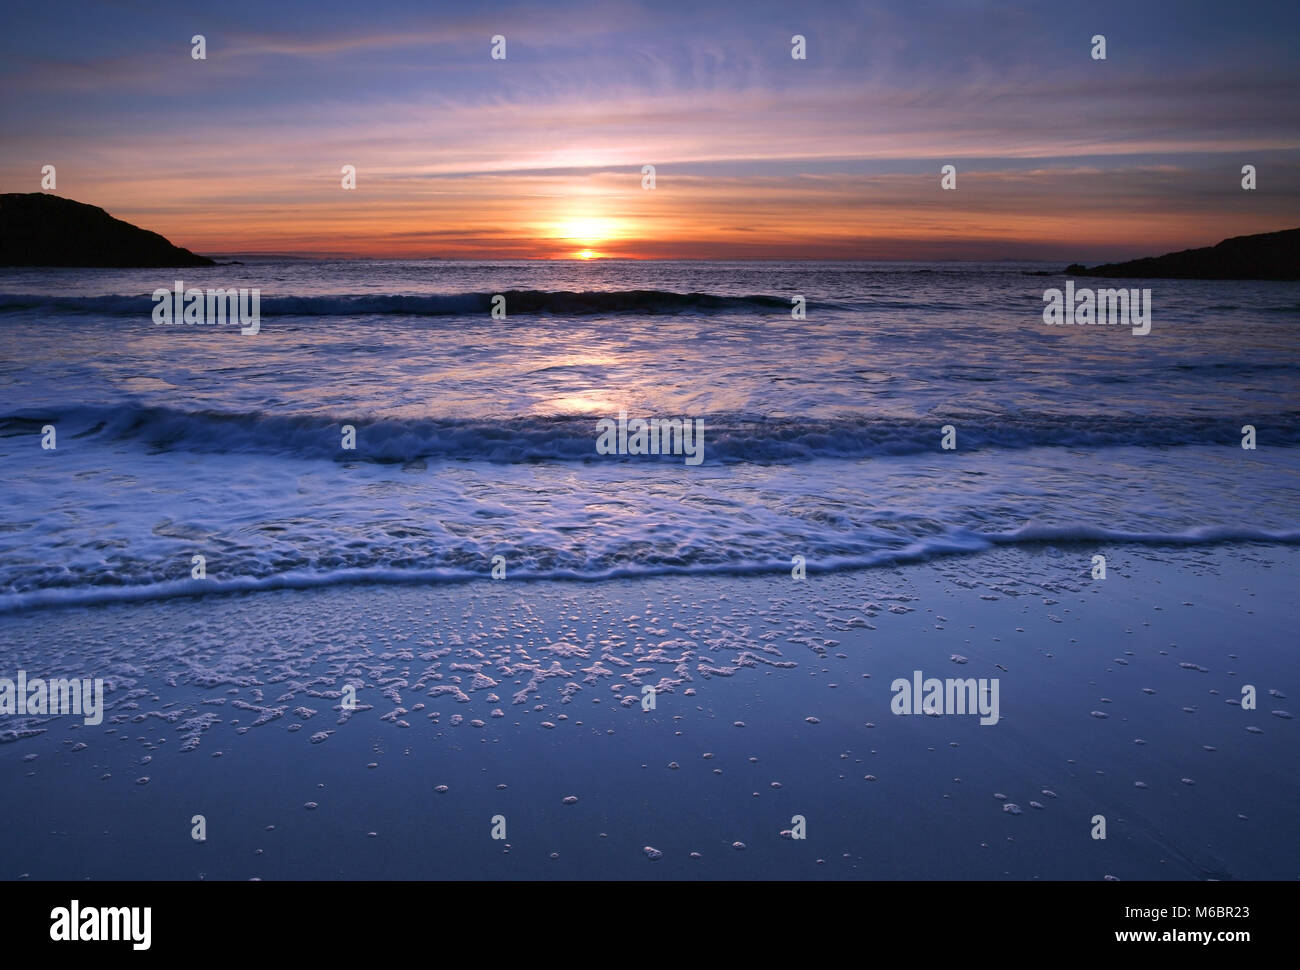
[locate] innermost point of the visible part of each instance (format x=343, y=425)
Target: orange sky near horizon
x=1050, y=214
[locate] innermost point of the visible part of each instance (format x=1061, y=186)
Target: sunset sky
x=757, y=155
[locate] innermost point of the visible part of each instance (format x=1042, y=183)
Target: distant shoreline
x=39, y=230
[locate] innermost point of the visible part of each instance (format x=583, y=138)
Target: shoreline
x=766, y=651
x=54, y=599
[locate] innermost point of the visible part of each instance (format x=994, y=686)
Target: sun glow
x=586, y=233
x=586, y=230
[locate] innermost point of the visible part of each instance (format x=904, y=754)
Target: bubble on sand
x=652, y=853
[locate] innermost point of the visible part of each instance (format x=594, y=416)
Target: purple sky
x=757, y=155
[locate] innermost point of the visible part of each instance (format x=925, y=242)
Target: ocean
x=476, y=437
x=199, y=536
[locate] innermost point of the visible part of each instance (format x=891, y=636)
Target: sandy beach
x=772, y=701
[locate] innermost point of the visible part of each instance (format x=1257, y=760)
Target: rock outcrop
x=37, y=229
x=1266, y=256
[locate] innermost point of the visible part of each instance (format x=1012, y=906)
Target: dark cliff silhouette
x=37, y=229
x=1266, y=256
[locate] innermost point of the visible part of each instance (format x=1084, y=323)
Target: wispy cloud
x=755, y=152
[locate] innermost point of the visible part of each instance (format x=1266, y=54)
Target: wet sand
x=773, y=701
